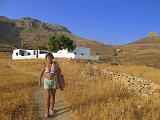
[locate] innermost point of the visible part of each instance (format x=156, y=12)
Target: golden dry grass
x=90, y=99
x=144, y=72
x=100, y=99
x=16, y=88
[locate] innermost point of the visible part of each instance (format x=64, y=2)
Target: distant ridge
x=145, y=51
x=151, y=38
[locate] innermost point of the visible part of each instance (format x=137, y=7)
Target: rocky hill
x=26, y=31
x=9, y=32
x=32, y=32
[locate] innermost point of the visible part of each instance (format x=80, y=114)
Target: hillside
x=32, y=32
x=26, y=31
x=145, y=51
x=9, y=32
x=151, y=38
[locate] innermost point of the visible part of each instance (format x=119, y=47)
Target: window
x=75, y=53
x=16, y=53
x=29, y=53
x=42, y=52
x=82, y=54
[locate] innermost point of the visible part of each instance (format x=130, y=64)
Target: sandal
x=46, y=115
x=52, y=112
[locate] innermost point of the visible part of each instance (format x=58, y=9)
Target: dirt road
x=63, y=111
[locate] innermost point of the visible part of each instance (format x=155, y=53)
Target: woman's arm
x=41, y=75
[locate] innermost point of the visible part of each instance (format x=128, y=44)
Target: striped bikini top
x=51, y=70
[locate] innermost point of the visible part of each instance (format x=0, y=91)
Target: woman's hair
x=49, y=54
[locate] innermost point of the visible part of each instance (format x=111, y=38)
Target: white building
x=77, y=53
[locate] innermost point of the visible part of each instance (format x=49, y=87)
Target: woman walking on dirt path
x=50, y=70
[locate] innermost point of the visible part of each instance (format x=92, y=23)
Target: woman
x=50, y=71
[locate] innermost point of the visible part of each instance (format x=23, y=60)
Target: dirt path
x=63, y=111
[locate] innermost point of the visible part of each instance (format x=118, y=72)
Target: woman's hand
x=41, y=74
x=39, y=84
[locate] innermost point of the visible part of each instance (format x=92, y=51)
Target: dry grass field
x=101, y=99
x=144, y=72
x=92, y=98
x=15, y=93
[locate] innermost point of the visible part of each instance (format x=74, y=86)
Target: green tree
x=59, y=42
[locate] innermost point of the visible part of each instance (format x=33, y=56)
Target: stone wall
x=141, y=87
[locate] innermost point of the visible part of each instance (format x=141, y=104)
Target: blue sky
x=108, y=21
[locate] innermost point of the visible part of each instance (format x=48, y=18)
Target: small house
x=77, y=53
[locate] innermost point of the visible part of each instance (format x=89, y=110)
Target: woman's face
x=49, y=58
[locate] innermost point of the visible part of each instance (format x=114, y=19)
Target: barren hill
x=145, y=51
x=151, y=38
x=32, y=32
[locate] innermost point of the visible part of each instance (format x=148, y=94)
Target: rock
x=153, y=34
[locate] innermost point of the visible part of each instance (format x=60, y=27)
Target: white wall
x=81, y=50
x=64, y=55
x=23, y=54
x=81, y=53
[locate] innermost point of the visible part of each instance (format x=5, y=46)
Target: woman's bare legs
x=53, y=93
x=47, y=100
